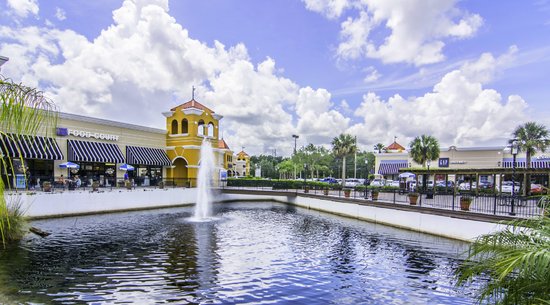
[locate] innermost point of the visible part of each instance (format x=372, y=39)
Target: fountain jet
x=203, y=207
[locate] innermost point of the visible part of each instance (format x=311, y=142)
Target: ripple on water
x=250, y=254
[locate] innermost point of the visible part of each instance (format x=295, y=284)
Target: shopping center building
x=491, y=164
x=99, y=147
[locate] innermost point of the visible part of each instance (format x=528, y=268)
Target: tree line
x=314, y=161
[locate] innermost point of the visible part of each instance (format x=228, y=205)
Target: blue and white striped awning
x=30, y=147
x=147, y=156
x=85, y=151
x=521, y=163
x=391, y=167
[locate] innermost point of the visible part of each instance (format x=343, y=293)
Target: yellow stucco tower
x=187, y=126
x=242, y=166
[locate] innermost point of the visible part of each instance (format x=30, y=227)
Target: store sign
x=542, y=157
x=86, y=134
x=458, y=162
x=443, y=162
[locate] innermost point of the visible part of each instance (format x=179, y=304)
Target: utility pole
x=355, y=161
x=295, y=137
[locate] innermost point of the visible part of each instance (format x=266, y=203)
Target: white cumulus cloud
x=457, y=111
x=23, y=8
x=416, y=29
x=145, y=63
x=329, y=8
x=60, y=14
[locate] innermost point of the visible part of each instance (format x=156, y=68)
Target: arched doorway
x=180, y=173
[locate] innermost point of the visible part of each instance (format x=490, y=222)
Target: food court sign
x=86, y=134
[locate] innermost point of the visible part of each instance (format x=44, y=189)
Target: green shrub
x=277, y=184
x=12, y=222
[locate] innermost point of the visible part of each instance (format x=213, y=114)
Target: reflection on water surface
x=255, y=253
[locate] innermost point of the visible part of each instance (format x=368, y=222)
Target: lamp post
x=305, y=176
x=429, y=193
x=514, y=151
x=428, y=163
x=295, y=136
x=366, y=175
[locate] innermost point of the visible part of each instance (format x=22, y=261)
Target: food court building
x=99, y=147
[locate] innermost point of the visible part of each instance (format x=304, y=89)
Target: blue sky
x=467, y=72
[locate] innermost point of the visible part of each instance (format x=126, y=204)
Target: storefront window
x=28, y=173
x=104, y=173
x=147, y=175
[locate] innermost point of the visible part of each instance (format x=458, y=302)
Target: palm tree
x=531, y=137
x=516, y=260
x=26, y=111
x=424, y=148
x=379, y=147
x=343, y=146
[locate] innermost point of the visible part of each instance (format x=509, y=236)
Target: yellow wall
x=187, y=145
x=243, y=159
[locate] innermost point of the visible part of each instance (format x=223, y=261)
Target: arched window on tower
x=184, y=126
x=211, y=129
x=201, y=128
x=175, y=127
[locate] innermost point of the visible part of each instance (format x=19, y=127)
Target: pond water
x=254, y=253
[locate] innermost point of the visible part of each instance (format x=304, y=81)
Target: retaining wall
x=460, y=227
x=456, y=225
x=68, y=203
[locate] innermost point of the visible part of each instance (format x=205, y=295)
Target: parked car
x=507, y=187
x=465, y=186
x=442, y=184
x=485, y=185
x=393, y=183
x=351, y=182
x=329, y=180
x=378, y=182
x=536, y=189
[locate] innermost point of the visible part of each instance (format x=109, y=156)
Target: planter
x=128, y=185
x=161, y=185
x=374, y=195
x=413, y=199
x=306, y=189
x=47, y=186
x=465, y=203
x=95, y=186
x=347, y=193
x=325, y=192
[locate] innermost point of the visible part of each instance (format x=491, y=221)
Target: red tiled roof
x=242, y=153
x=395, y=146
x=222, y=144
x=193, y=104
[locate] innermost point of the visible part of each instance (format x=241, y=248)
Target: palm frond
x=515, y=260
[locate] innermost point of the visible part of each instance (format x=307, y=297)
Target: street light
x=514, y=151
x=429, y=194
x=305, y=176
x=428, y=163
x=366, y=176
x=295, y=136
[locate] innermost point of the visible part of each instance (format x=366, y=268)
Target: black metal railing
x=451, y=199
x=60, y=185
x=488, y=203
